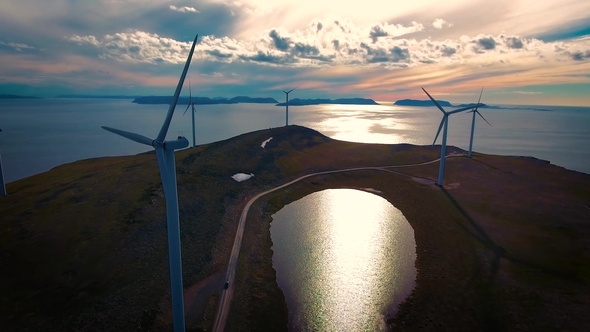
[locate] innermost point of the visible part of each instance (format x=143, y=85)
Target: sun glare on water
x=342, y=256
x=360, y=123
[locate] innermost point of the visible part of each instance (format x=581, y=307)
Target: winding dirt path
x=227, y=295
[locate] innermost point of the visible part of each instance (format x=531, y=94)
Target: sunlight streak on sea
x=40, y=134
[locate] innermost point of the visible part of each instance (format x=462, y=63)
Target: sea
x=340, y=265
x=39, y=134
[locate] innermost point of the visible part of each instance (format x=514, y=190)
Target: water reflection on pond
x=342, y=258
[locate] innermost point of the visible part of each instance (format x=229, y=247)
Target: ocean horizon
x=39, y=134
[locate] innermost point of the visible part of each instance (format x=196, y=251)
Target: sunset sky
x=520, y=51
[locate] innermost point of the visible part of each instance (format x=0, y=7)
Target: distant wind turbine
x=444, y=121
x=2, y=183
x=473, y=123
x=165, y=155
x=287, y=104
x=191, y=103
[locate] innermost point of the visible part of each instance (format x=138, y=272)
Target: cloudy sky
x=520, y=51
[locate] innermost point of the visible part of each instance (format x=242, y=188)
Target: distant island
x=473, y=105
x=343, y=101
x=203, y=100
x=422, y=103
x=98, y=97
x=428, y=103
x=9, y=96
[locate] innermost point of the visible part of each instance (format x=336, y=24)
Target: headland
x=502, y=246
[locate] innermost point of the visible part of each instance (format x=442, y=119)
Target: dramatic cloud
x=219, y=54
x=137, y=46
x=338, y=42
x=527, y=92
x=183, y=9
x=393, y=30
x=334, y=47
x=266, y=58
x=579, y=55
x=281, y=44
x=439, y=23
x=514, y=42
x=487, y=43
x=376, y=32
x=447, y=51
x=17, y=46
x=399, y=54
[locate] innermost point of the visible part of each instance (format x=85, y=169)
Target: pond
x=344, y=259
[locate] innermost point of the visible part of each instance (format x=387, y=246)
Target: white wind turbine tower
x=191, y=103
x=473, y=123
x=444, y=121
x=2, y=183
x=165, y=155
x=287, y=104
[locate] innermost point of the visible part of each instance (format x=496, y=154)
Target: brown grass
x=505, y=246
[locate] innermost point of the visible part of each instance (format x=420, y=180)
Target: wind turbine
x=191, y=103
x=165, y=155
x=473, y=123
x=287, y=104
x=2, y=183
x=444, y=121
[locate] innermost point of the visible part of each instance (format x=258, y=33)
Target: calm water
x=41, y=134
x=341, y=256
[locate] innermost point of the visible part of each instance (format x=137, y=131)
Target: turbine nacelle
x=287, y=104
x=445, y=123
x=474, y=111
x=190, y=103
x=287, y=92
x=179, y=143
x=446, y=113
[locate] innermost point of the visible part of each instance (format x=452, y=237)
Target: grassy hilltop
x=504, y=246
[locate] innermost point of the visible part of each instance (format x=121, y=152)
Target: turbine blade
x=439, y=128
x=479, y=100
x=163, y=169
x=435, y=102
x=293, y=88
x=464, y=109
x=166, y=125
x=132, y=136
x=187, y=106
x=480, y=95
x=483, y=118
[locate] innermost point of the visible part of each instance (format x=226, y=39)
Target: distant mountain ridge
x=203, y=100
x=98, y=96
x=342, y=101
x=422, y=103
x=9, y=96
x=473, y=105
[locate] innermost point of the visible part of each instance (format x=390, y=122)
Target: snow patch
x=264, y=143
x=241, y=176
x=373, y=190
